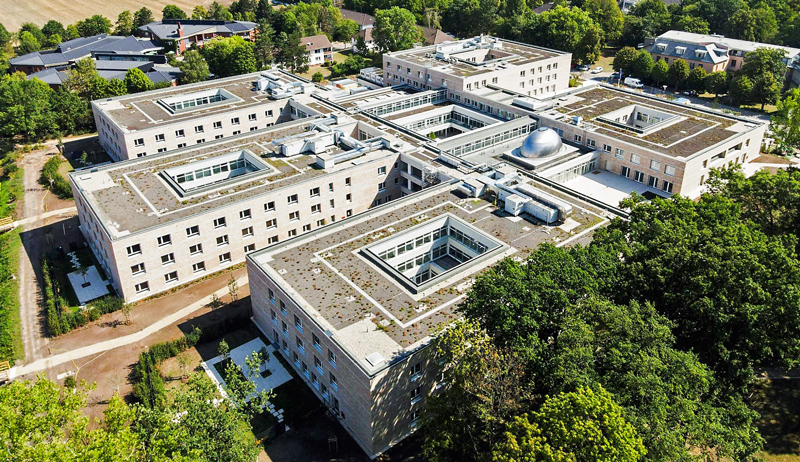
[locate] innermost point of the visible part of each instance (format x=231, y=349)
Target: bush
x=52, y=179
x=317, y=77
x=148, y=387
x=9, y=295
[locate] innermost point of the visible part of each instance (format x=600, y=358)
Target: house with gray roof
x=180, y=34
x=71, y=51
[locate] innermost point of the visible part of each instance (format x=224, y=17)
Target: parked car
x=584, y=67
x=597, y=70
x=690, y=93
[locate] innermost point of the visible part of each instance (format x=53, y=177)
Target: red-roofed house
x=319, y=49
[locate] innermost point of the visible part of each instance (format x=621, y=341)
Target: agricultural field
x=16, y=13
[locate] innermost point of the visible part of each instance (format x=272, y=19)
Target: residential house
x=319, y=49
x=180, y=34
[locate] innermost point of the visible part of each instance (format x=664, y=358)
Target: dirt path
x=33, y=205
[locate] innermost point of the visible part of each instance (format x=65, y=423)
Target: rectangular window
x=578, y=138
x=273, y=314
x=619, y=153
x=222, y=240
x=331, y=357
x=249, y=248
x=220, y=222
x=330, y=187
x=245, y=214
x=347, y=181
x=225, y=257
x=162, y=149
x=199, y=129
x=167, y=259
x=247, y=232
x=666, y=186
x=334, y=383
x=271, y=295
x=606, y=148
x=416, y=394
x=160, y=138
x=137, y=269
x=252, y=117
x=349, y=198
x=349, y=213
x=316, y=208
x=138, y=142
x=638, y=176
x=306, y=228
x=235, y=121
x=269, y=207
x=171, y=277
x=321, y=222
x=217, y=125
x=272, y=240
x=315, y=342
x=301, y=346
x=333, y=203
x=142, y=287
x=314, y=192
x=292, y=232
x=655, y=165
x=193, y=231
x=635, y=158
x=416, y=370
x=669, y=170
x=196, y=249
x=292, y=199
x=625, y=171
x=180, y=133
x=273, y=223
x=218, y=137
x=201, y=140
x=294, y=216
x=381, y=171
x=181, y=145
x=317, y=364
x=298, y=323
x=381, y=187
x=652, y=182
x=199, y=267
x=135, y=249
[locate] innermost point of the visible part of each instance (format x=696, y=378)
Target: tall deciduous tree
x=607, y=15
x=642, y=65
x=583, y=425
x=124, y=24
x=173, y=12
x=678, y=72
x=228, y=56
x=624, y=59
x=142, y=17
x=395, y=29
x=136, y=81
x=263, y=45
x=572, y=28
x=194, y=67
x=25, y=107
x=717, y=83
x=785, y=123
x=94, y=25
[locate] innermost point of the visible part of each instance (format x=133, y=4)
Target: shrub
x=52, y=179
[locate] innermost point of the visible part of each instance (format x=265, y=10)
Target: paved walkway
x=55, y=360
x=42, y=216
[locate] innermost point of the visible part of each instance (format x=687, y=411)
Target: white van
x=633, y=82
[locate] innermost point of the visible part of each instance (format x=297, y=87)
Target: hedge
x=9, y=296
x=52, y=179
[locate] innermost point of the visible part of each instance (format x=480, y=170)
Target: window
x=199, y=129
x=193, y=231
x=316, y=208
x=330, y=187
x=606, y=148
x=578, y=138
x=304, y=368
x=381, y=171
x=249, y=248
x=199, y=267
x=666, y=186
x=321, y=222
x=236, y=132
x=283, y=307
x=635, y=158
x=655, y=165
x=333, y=203
x=298, y=323
x=135, y=249
x=317, y=363
x=160, y=138
x=619, y=153
x=273, y=314
x=669, y=170
x=349, y=213
x=652, y=182
x=180, y=133
x=235, y=121
x=347, y=181
x=294, y=216
x=416, y=394
x=314, y=380
x=381, y=187
x=300, y=345
x=247, y=232
x=416, y=370
x=196, y=249
x=292, y=232
x=590, y=142
x=314, y=192
x=167, y=259
x=331, y=357
x=272, y=223
x=142, y=287
x=162, y=149
x=306, y=228
x=171, y=277
x=271, y=295
x=222, y=240
x=218, y=137
x=245, y=214
x=285, y=347
x=225, y=257
x=334, y=383
x=296, y=359
x=414, y=417
x=349, y=198
x=138, y=142
x=638, y=176
x=181, y=145
x=272, y=240
x=315, y=342
x=220, y=222
x=625, y=171
x=252, y=117
x=292, y=199
x=137, y=269
x=269, y=207
x=201, y=140
x=217, y=125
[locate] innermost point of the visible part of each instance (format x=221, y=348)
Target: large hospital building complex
x=363, y=216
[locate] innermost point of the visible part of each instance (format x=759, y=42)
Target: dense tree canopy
x=395, y=29
x=228, y=56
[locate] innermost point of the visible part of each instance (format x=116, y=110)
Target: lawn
x=338, y=57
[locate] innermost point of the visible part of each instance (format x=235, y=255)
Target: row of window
x=198, y=129
x=652, y=181
x=172, y=277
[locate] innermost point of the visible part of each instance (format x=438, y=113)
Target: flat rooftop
x=332, y=272
x=141, y=193
x=681, y=130
x=507, y=53
x=151, y=109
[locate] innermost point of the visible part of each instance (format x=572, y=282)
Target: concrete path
x=65, y=211
x=55, y=360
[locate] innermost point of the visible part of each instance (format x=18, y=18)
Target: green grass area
x=11, y=347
